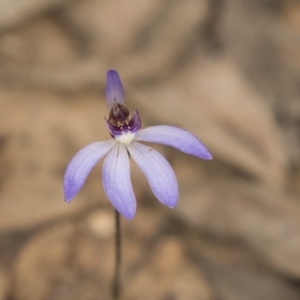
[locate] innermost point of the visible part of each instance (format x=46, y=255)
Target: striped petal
x=175, y=137
x=117, y=183
x=158, y=171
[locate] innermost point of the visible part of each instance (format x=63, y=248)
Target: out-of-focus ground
x=227, y=70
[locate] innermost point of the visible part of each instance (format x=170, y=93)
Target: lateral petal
x=158, y=171
x=175, y=137
x=117, y=182
x=81, y=165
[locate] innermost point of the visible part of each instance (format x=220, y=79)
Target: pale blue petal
x=81, y=165
x=158, y=171
x=117, y=182
x=114, y=89
x=175, y=137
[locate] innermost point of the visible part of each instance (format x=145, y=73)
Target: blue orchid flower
x=126, y=134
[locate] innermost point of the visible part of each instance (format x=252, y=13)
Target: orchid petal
x=158, y=171
x=81, y=165
x=175, y=137
x=117, y=183
x=114, y=89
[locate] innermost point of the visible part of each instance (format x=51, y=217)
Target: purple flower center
x=121, y=126
x=119, y=116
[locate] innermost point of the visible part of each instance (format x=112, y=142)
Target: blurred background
x=228, y=71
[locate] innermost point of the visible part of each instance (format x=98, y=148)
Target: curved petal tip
x=206, y=155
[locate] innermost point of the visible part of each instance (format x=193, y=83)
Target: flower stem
x=116, y=283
